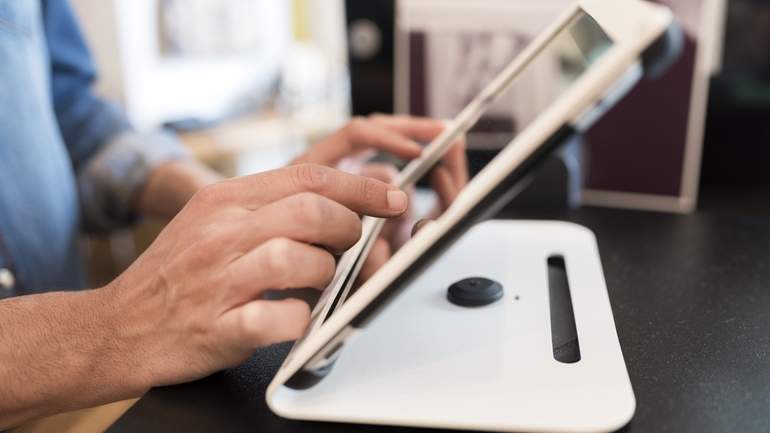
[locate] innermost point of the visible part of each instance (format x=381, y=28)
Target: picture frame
x=625, y=163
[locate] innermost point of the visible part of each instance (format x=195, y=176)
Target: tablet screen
x=493, y=119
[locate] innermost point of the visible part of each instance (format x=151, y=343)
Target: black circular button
x=474, y=292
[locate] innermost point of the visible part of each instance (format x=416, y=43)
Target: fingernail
x=397, y=200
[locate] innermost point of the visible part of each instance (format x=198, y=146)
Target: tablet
x=583, y=63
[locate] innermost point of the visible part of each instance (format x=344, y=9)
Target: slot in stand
x=425, y=362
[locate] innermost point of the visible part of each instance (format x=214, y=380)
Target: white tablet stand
x=425, y=362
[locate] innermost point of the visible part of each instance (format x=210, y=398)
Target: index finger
x=360, y=194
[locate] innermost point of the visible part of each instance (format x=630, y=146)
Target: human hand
x=191, y=304
x=447, y=179
x=399, y=136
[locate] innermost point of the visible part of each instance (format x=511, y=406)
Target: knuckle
x=254, y=335
x=197, y=256
x=208, y=194
x=311, y=210
x=310, y=177
x=211, y=236
x=279, y=258
x=212, y=240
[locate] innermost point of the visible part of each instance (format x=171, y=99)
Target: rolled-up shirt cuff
x=111, y=181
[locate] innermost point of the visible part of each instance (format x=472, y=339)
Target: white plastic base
x=427, y=363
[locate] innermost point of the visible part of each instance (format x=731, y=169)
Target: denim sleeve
x=111, y=160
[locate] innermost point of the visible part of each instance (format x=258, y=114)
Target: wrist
x=67, y=354
x=128, y=322
x=110, y=350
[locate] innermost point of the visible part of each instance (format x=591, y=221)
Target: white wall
x=124, y=38
x=327, y=28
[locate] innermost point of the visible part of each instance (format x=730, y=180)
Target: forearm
x=171, y=186
x=62, y=351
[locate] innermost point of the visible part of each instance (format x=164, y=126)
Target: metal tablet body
x=587, y=60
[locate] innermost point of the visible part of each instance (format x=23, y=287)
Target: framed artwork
x=446, y=50
x=646, y=153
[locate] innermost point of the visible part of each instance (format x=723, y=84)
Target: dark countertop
x=691, y=299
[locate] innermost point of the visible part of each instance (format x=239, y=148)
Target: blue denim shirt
x=68, y=159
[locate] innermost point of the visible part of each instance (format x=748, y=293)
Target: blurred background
x=247, y=84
